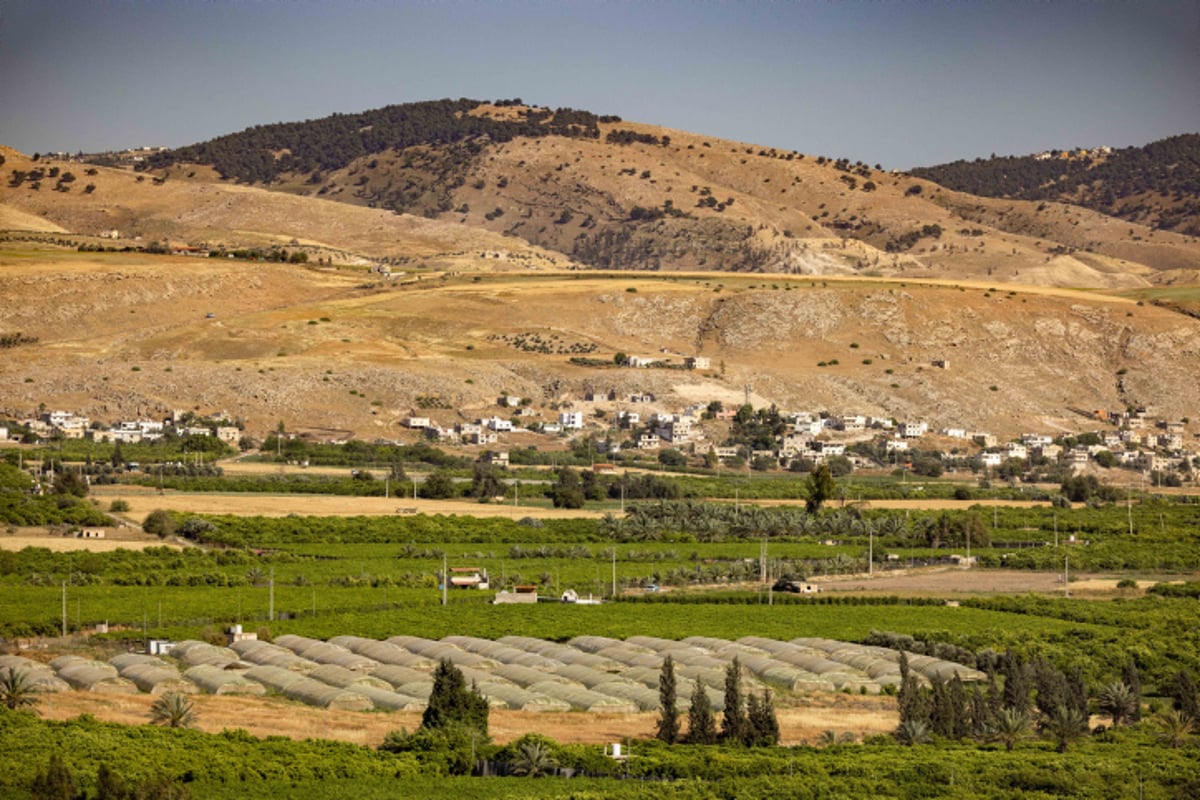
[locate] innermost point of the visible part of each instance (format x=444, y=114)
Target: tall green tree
x=1131, y=678
x=452, y=703
x=702, y=726
x=819, y=487
x=761, y=723
x=56, y=782
x=668, y=714
x=734, y=722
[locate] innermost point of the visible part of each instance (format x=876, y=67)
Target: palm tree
x=1065, y=725
x=16, y=689
x=1119, y=702
x=533, y=759
x=1010, y=726
x=173, y=709
x=1175, y=727
x=913, y=732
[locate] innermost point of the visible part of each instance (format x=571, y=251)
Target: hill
x=611, y=194
x=123, y=334
x=1157, y=185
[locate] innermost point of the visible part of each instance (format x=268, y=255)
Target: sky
x=899, y=83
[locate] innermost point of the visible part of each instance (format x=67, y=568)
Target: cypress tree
x=452, y=703
x=1131, y=678
x=702, y=727
x=913, y=701
x=1016, y=682
x=958, y=703
x=733, y=724
x=668, y=716
x=762, y=724
x=1184, y=693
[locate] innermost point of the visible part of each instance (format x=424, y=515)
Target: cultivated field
x=143, y=501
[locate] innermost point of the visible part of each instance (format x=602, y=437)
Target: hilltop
x=1157, y=185
x=605, y=193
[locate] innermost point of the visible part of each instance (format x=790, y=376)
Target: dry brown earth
x=273, y=716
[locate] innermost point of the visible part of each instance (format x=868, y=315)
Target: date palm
x=533, y=759
x=913, y=732
x=1010, y=726
x=1064, y=726
x=174, y=710
x=1174, y=727
x=1119, y=702
x=16, y=689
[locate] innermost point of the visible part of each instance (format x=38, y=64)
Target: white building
x=571, y=420
x=913, y=430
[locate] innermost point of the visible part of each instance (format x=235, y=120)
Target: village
x=637, y=426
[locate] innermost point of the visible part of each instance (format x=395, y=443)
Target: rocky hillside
x=117, y=335
x=1157, y=185
x=607, y=193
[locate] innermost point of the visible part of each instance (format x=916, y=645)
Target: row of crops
x=587, y=673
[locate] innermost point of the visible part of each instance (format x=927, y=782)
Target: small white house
x=571, y=420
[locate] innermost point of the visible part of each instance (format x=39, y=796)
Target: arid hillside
x=120, y=334
x=472, y=186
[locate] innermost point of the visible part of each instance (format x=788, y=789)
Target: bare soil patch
x=958, y=580
x=801, y=723
x=120, y=539
x=142, y=502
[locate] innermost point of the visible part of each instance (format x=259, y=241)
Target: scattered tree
x=16, y=689
x=734, y=724
x=452, y=703
x=819, y=487
x=668, y=715
x=702, y=726
x=174, y=710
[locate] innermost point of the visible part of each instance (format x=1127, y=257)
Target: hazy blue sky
x=902, y=83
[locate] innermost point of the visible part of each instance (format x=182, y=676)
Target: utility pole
x=271, y=598
x=445, y=579
x=614, y=571
x=1066, y=576
x=64, y=609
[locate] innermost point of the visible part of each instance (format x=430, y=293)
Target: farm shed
x=384, y=652
x=418, y=689
x=128, y=659
x=560, y=652
x=524, y=676
x=586, y=675
x=397, y=675
x=265, y=653
x=214, y=680
x=583, y=698
x=386, y=699
x=40, y=676
x=324, y=653
x=645, y=698
x=157, y=680
x=346, y=678
x=308, y=691
x=440, y=651
x=92, y=676
x=500, y=652
x=193, y=652
x=518, y=699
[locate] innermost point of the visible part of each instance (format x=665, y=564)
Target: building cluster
x=69, y=425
